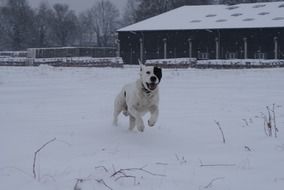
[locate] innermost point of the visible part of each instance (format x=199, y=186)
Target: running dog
x=137, y=98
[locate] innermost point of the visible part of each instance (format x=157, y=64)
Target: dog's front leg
x=131, y=122
x=138, y=119
x=154, y=110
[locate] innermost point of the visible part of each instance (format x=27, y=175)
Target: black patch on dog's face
x=158, y=73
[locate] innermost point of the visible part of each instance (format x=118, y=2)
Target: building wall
x=204, y=43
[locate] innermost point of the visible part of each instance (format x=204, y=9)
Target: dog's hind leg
x=116, y=112
x=124, y=110
x=115, y=117
x=131, y=122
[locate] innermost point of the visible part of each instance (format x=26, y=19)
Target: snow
x=183, y=62
x=242, y=62
x=74, y=105
x=81, y=61
x=215, y=63
x=247, y=15
x=172, y=61
x=63, y=61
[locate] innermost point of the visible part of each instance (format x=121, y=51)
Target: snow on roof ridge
x=243, y=15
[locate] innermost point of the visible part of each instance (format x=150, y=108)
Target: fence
x=5, y=54
x=63, y=56
x=72, y=52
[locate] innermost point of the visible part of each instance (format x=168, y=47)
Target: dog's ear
x=158, y=72
x=141, y=64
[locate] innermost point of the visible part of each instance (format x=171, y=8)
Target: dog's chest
x=145, y=103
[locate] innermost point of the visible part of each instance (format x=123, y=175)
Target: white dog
x=140, y=97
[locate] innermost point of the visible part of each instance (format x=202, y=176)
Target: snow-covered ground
x=183, y=151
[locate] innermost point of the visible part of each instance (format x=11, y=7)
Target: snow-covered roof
x=248, y=15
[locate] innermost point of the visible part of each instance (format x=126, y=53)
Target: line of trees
x=22, y=27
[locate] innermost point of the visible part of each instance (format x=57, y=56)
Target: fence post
x=217, y=47
x=118, y=48
x=165, y=48
x=275, y=47
x=245, y=48
x=189, y=47
x=141, y=49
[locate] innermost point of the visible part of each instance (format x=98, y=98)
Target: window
x=232, y=7
x=203, y=55
x=195, y=21
x=259, y=55
x=231, y=55
x=221, y=20
x=259, y=6
x=263, y=13
x=278, y=18
x=248, y=19
x=211, y=15
x=236, y=14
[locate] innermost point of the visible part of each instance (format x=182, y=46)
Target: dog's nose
x=153, y=79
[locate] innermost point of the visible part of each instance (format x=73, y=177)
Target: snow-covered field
x=183, y=151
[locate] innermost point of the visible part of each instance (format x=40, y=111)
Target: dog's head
x=150, y=76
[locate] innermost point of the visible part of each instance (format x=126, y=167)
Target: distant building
x=240, y=31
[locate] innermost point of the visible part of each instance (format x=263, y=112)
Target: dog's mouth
x=151, y=86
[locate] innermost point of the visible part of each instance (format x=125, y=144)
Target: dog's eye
x=148, y=72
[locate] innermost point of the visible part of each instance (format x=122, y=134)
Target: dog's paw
x=151, y=123
x=115, y=122
x=125, y=113
x=141, y=128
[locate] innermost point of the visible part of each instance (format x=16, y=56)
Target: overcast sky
x=79, y=5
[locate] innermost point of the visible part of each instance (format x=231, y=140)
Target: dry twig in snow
x=36, y=153
x=269, y=121
x=219, y=126
x=80, y=181
x=101, y=181
x=215, y=165
x=136, y=169
x=121, y=173
x=103, y=167
x=210, y=184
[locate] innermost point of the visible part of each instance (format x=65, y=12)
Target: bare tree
x=104, y=21
x=42, y=25
x=64, y=24
x=130, y=16
x=17, y=25
x=87, y=32
x=2, y=28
